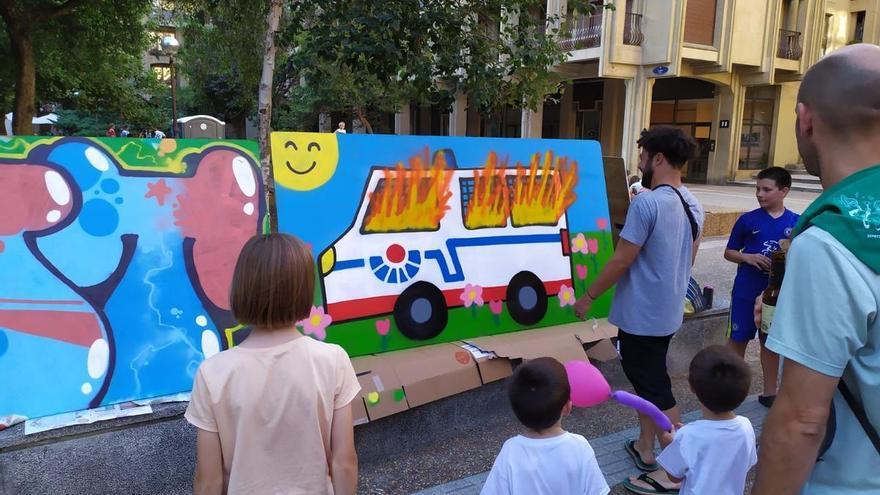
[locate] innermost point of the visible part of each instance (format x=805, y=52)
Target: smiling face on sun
x=303, y=161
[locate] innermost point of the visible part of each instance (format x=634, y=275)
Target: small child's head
x=539, y=393
x=719, y=378
x=274, y=282
x=772, y=187
x=634, y=179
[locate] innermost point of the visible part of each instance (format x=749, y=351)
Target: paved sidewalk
x=613, y=460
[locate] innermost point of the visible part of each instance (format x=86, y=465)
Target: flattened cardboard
x=558, y=342
x=491, y=367
x=433, y=372
x=377, y=376
x=359, y=411
x=602, y=351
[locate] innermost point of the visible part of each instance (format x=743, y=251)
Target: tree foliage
x=221, y=56
x=85, y=55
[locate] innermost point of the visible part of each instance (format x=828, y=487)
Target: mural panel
x=116, y=257
x=421, y=240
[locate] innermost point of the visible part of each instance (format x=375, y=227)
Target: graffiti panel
x=116, y=257
x=420, y=240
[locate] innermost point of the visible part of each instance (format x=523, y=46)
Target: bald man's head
x=843, y=90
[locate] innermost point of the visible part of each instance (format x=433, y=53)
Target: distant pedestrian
x=158, y=134
x=544, y=459
x=274, y=413
x=125, y=132
x=340, y=128
x=111, y=131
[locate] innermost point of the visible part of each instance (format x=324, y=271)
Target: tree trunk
x=265, y=110
x=25, y=86
x=363, y=119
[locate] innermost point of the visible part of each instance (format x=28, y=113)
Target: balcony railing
x=632, y=30
x=790, y=45
x=583, y=32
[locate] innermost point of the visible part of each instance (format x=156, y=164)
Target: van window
x=485, y=201
x=405, y=201
x=540, y=200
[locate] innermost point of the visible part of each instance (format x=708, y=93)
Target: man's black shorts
x=644, y=362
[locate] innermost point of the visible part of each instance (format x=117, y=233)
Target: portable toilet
x=201, y=126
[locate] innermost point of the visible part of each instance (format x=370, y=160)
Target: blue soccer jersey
x=757, y=232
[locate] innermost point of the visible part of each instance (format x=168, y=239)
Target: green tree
x=84, y=54
x=358, y=57
x=221, y=57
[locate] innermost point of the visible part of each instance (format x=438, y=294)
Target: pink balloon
x=588, y=386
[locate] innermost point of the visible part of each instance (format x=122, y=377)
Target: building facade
x=724, y=71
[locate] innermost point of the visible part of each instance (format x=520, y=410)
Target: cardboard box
x=433, y=372
x=558, y=342
x=381, y=391
x=490, y=366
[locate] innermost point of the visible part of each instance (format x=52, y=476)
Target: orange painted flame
x=411, y=199
x=542, y=198
x=489, y=205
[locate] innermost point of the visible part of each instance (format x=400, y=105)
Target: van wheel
x=420, y=312
x=526, y=298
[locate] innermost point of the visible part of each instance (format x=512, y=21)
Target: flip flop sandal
x=630, y=447
x=656, y=487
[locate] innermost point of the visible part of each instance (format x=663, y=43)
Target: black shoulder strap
x=860, y=414
x=687, y=209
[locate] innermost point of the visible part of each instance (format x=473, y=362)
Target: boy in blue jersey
x=754, y=237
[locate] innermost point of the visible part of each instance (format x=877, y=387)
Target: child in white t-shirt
x=544, y=459
x=714, y=454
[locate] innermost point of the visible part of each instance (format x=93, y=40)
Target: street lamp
x=170, y=47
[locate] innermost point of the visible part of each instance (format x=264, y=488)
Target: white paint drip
x=53, y=216
x=86, y=388
x=248, y=209
x=97, y=159
x=99, y=358
x=57, y=187
x=244, y=176
x=210, y=344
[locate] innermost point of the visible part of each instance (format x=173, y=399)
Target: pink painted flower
x=317, y=322
x=602, y=223
x=496, y=306
x=472, y=294
x=566, y=296
x=579, y=244
x=581, y=271
x=383, y=326
x=593, y=246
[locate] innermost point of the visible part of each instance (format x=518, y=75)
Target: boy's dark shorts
x=644, y=363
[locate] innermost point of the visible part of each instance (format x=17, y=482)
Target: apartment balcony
x=632, y=30
x=585, y=31
x=789, y=45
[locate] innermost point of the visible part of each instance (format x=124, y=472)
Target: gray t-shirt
x=649, y=299
x=827, y=320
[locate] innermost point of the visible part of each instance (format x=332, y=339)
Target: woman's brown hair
x=274, y=282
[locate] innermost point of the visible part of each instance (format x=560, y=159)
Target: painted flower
x=496, y=306
x=317, y=322
x=602, y=223
x=593, y=246
x=579, y=244
x=383, y=326
x=472, y=294
x=566, y=296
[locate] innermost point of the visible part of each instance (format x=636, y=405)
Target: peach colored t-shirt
x=273, y=408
